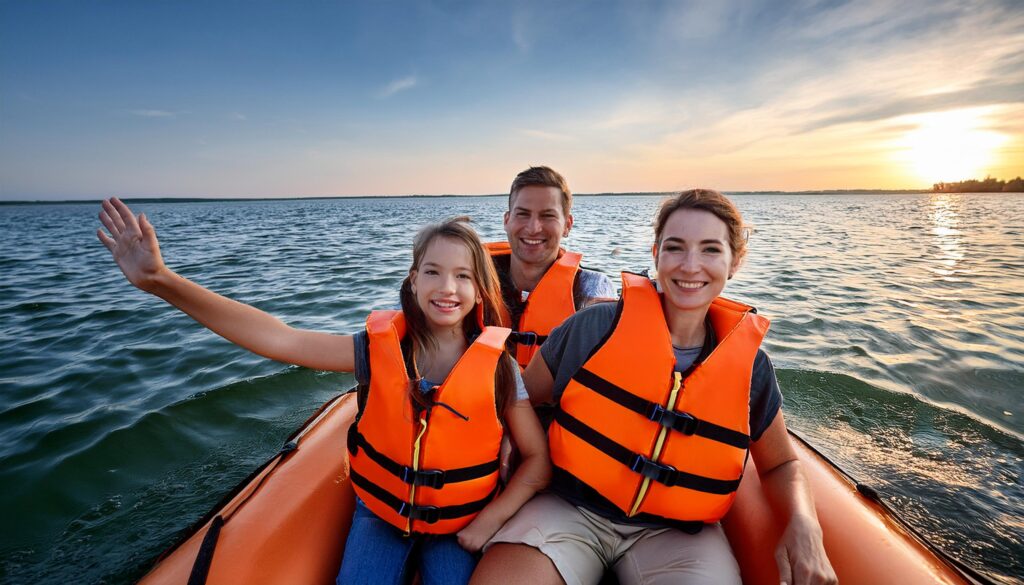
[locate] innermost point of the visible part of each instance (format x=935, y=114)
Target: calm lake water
x=897, y=331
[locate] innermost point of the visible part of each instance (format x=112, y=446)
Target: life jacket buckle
x=526, y=338
x=659, y=472
x=656, y=413
x=683, y=422
x=433, y=478
x=428, y=514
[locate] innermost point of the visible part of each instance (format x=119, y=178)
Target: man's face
x=535, y=224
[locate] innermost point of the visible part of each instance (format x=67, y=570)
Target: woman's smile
x=694, y=260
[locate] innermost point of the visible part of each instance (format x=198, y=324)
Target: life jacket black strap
x=682, y=422
x=428, y=514
x=663, y=474
x=577, y=491
x=434, y=478
x=527, y=338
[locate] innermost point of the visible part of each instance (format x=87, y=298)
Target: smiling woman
x=950, y=146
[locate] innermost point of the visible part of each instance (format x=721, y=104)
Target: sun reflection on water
x=945, y=217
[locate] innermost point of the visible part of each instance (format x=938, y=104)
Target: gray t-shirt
x=593, y=285
x=362, y=366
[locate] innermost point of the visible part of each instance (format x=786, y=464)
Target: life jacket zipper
x=659, y=444
x=415, y=467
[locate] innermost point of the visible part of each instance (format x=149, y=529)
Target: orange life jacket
x=428, y=470
x=633, y=433
x=550, y=303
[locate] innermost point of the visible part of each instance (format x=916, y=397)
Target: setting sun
x=950, y=146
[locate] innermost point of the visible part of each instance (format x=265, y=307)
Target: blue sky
x=259, y=99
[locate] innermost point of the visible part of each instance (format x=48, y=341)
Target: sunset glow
x=950, y=146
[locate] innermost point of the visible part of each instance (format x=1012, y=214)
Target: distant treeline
x=989, y=185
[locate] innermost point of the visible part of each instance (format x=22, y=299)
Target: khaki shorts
x=583, y=545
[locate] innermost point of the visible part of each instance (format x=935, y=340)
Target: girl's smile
x=444, y=283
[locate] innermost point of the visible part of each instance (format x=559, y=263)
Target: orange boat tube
x=287, y=523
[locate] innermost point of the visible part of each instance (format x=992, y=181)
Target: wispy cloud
x=997, y=93
x=152, y=113
x=699, y=20
x=553, y=136
x=239, y=116
x=642, y=111
x=521, y=32
x=868, y=18
x=398, y=86
x=938, y=65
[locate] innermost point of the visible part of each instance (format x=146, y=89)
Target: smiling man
x=542, y=284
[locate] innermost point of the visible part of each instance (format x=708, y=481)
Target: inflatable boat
x=286, y=523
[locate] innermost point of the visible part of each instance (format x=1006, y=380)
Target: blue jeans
x=378, y=553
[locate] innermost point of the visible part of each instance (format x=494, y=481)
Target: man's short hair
x=547, y=177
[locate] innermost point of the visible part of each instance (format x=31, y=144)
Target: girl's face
x=444, y=284
x=694, y=259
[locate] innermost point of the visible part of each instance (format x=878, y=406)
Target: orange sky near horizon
x=907, y=152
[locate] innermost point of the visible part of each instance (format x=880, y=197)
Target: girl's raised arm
x=133, y=244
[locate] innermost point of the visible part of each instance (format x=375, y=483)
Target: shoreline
x=451, y=195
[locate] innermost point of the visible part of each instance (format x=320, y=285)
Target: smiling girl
x=424, y=448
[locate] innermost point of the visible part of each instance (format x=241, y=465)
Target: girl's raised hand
x=132, y=242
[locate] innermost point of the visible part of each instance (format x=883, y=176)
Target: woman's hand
x=134, y=245
x=801, y=556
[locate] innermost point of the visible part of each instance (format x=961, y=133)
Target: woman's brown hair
x=485, y=278
x=713, y=202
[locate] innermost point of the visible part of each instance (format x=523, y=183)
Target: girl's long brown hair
x=487, y=285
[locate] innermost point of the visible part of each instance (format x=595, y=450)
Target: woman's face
x=694, y=259
x=443, y=283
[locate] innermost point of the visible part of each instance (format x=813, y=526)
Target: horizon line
x=213, y=198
